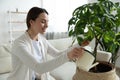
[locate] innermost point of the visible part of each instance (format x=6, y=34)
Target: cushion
x=61, y=44
x=64, y=72
x=5, y=64
x=103, y=56
x=4, y=51
x=5, y=59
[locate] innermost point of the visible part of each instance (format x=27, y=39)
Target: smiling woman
x=29, y=51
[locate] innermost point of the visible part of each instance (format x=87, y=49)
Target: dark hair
x=33, y=13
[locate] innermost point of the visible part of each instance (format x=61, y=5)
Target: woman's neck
x=33, y=35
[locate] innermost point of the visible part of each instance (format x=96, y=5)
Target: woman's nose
x=46, y=25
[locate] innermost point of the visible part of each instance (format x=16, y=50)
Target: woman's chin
x=42, y=32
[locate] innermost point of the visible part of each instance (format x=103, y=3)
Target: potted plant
x=99, y=21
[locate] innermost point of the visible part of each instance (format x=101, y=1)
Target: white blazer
x=24, y=62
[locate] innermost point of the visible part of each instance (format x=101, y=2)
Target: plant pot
x=96, y=73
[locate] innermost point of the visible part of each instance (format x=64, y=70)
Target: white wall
x=60, y=11
x=11, y=5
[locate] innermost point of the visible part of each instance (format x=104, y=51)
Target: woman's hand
x=75, y=53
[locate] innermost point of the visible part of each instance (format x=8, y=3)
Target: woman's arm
x=25, y=55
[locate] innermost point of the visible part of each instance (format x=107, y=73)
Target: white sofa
x=5, y=61
x=64, y=72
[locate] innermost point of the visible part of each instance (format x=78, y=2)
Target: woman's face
x=40, y=24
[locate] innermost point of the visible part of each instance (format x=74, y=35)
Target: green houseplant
x=99, y=21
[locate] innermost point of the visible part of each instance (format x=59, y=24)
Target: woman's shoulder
x=21, y=39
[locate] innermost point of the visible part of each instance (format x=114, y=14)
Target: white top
x=37, y=53
x=37, y=50
x=24, y=62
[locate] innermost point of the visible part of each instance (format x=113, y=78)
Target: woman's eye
x=42, y=21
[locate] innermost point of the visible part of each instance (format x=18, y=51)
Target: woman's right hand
x=75, y=53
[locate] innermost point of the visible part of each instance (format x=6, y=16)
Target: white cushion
x=5, y=59
x=64, y=72
x=5, y=64
x=4, y=52
x=103, y=56
x=61, y=44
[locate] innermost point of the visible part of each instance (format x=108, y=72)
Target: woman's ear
x=31, y=22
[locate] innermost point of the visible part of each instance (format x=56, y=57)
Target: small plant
x=99, y=21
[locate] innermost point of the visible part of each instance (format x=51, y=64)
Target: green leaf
x=72, y=21
x=109, y=36
x=80, y=40
x=71, y=33
x=117, y=38
x=89, y=35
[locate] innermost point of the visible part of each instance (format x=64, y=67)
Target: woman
x=29, y=50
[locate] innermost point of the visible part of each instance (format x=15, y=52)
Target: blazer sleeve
x=21, y=51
